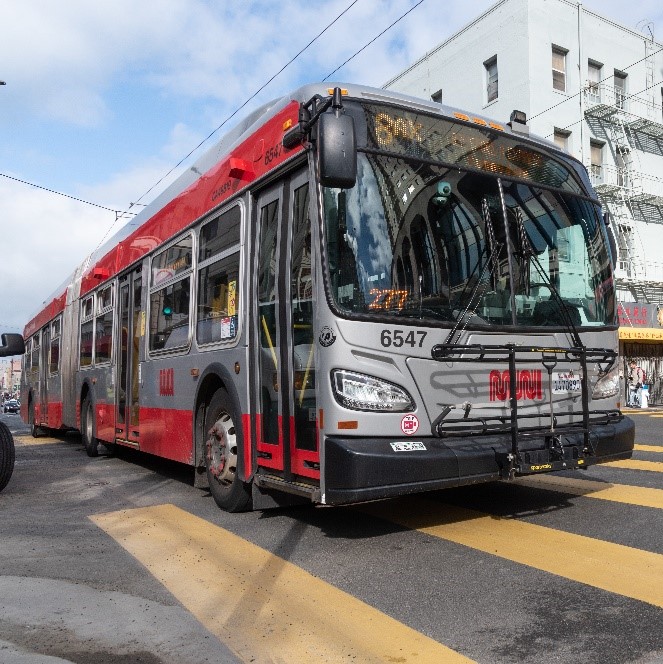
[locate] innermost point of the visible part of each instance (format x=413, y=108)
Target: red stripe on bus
x=50, y=416
x=54, y=416
x=274, y=451
x=299, y=457
x=105, y=421
x=167, y=433
x=248, y=457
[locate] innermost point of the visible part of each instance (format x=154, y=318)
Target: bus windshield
x=437, y=242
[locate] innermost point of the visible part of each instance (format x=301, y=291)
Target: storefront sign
x=640, y=321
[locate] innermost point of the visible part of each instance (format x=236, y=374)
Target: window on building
x=620, y=89
x=491, y=79
x=622, y=163
x=562, y=139
x=559, y=68
x=596, y=162
x=594, y=77
x=437, y=96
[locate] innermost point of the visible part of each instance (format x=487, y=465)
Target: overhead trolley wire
x=233, y=114
x=365, y=46
x=253, y=96
x=118, y=213
x=261, y=88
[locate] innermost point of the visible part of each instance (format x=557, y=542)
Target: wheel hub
x=222, y=450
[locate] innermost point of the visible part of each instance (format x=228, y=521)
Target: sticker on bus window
x=228, y=327
x=232, y=298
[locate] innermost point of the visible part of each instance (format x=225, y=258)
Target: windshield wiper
x=527, y=252
x=491, y=251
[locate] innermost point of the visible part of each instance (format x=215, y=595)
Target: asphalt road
x=119, y=560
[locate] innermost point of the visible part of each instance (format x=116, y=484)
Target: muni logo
x=528, y=385
x=167, y=382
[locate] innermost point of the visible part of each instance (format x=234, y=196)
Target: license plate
x=408, y=446
x=564, y=382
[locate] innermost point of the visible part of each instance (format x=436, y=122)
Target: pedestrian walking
x=636, y=379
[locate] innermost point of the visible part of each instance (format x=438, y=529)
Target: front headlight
x=607, y=386
x=360, y=392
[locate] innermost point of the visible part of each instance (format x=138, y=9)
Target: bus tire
x=223, y=443
x=88, y=432
x=7, y=455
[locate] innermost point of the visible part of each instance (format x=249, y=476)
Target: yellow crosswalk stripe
x=29, y=440
x=618, y=493
x=637, y=464
x=263, y=607
x=649, y=448
x=613, y=567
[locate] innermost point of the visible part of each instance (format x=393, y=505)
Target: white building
x=586, y=82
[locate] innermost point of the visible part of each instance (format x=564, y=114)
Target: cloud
x=104, y=97
x=46, y=236
x=41, y=234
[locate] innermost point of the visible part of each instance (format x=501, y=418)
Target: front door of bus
x=132, y=322
x=287, y=431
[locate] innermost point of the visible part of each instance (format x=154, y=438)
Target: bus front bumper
x=358, y=469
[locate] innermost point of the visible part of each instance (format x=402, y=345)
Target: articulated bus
x=354, y=295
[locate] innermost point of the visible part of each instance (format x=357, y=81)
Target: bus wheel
x=223, y=441
x=87, y=428
x=7, y=455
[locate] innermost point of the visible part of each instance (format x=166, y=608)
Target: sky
x=102, y=99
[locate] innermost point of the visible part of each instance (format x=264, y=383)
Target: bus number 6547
x=398, y=338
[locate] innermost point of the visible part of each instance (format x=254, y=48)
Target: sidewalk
x=630, y=409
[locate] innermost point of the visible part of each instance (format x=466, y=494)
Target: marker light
x=360, y=392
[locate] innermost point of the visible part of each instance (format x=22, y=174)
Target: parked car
x=12, y=344
x=11, y=406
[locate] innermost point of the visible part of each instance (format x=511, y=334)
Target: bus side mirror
x=12, y=344
x=337, y=151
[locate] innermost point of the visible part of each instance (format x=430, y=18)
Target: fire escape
x=622, y=185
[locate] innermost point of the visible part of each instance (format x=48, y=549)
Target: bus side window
x=170, y=303
x=87, y=331
x=218, y=278
x=54, y=354
x=218, y=301
x=169, y=317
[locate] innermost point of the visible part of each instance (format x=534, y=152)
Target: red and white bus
x=354, y=295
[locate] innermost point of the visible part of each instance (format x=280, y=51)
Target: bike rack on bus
x=554, y=456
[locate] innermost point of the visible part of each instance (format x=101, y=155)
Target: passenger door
x=286, y=425
x=132, y=328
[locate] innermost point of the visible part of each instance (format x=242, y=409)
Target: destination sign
x=476, y=146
